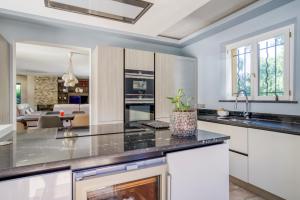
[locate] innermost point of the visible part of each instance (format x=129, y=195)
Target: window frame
x=288, y=32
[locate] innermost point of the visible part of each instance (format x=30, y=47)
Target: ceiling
x=204, y=16
x=47, y=59
x=163, y=13
x=175, y=19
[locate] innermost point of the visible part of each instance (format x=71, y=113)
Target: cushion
x=31, y=110
x=27, y=111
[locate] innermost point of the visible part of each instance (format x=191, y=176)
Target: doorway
x=50, y=79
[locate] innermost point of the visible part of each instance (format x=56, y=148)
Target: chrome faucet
x=246, y=112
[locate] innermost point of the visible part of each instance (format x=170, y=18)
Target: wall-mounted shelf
x=63, y=95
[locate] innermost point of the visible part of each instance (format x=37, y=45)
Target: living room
x=52, y=86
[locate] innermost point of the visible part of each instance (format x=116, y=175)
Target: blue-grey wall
x=210, y=52
x=19, y=31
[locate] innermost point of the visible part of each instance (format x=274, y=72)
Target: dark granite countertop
x=256, y=123
x=38, y=151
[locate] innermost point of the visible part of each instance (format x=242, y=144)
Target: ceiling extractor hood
x=128, y=11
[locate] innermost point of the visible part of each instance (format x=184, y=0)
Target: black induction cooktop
x=104, y=129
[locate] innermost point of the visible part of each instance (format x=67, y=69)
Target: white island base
x=199, y=174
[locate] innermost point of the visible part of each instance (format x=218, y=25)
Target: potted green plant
x=183, y=120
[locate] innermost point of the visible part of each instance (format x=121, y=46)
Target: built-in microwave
x=139, y=84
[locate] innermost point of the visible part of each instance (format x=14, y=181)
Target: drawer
x=238, y=135
x=238, y=166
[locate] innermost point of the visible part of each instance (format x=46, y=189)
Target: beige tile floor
x=238, y=193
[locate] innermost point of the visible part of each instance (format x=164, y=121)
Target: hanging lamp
x=69, y=77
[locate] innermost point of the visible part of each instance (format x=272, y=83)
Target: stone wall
x=45, y=90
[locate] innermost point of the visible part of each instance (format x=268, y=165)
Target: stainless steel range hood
x=128, y=11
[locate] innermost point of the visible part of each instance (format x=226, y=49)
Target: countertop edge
x=284, y=131
x=98, y=161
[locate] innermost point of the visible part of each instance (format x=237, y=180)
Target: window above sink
x=262, y=66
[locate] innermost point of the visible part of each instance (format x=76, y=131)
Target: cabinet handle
x=169, y=186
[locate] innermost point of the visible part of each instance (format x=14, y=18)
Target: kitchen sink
x=238, y=119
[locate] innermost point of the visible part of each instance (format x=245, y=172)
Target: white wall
x=20, y=31
x=16, y=30
x=210, y=52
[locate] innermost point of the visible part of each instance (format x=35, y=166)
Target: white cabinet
x=238, y=143
x=172, y=73
x=164, y=86
x=53, y=186
x=274, y=163
x=200, y=173
x=238, y=166
x=238, y=135
x=139, y=60
x=107, y=79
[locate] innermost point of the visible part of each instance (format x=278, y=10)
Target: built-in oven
x=139, y=84
x=139, y=111
x=141, y=180
x=139, y=96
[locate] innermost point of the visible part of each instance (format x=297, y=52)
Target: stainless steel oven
x=139, y=95
x=131, y=181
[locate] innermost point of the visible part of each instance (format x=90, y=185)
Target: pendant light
x=69, y=77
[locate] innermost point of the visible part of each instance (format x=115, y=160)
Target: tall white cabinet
x=172, y=73
x=52, y=186
x=107, y=80
x=200, y=173
x=107, y=85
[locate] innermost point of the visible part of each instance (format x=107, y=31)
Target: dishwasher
x=141, y=180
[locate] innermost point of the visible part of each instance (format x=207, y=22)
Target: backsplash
x=264, y=116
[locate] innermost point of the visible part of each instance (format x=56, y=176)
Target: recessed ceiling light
x=128, y=11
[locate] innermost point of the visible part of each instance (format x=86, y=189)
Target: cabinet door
x=107, y=85
x=238, y=166
x=238, y=163
x=238, y=135
x=172, y=73
x=53, y=186
x=139, y=60
x=274, y=162
x=164, y=86
x=199, y=174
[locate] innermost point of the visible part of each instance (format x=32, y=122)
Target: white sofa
x=26, y=109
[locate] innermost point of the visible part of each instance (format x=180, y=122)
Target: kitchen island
x=43, y=151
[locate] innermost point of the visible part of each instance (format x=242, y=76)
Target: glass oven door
x=147, y=189
x=138, y=184
x=139, y=112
